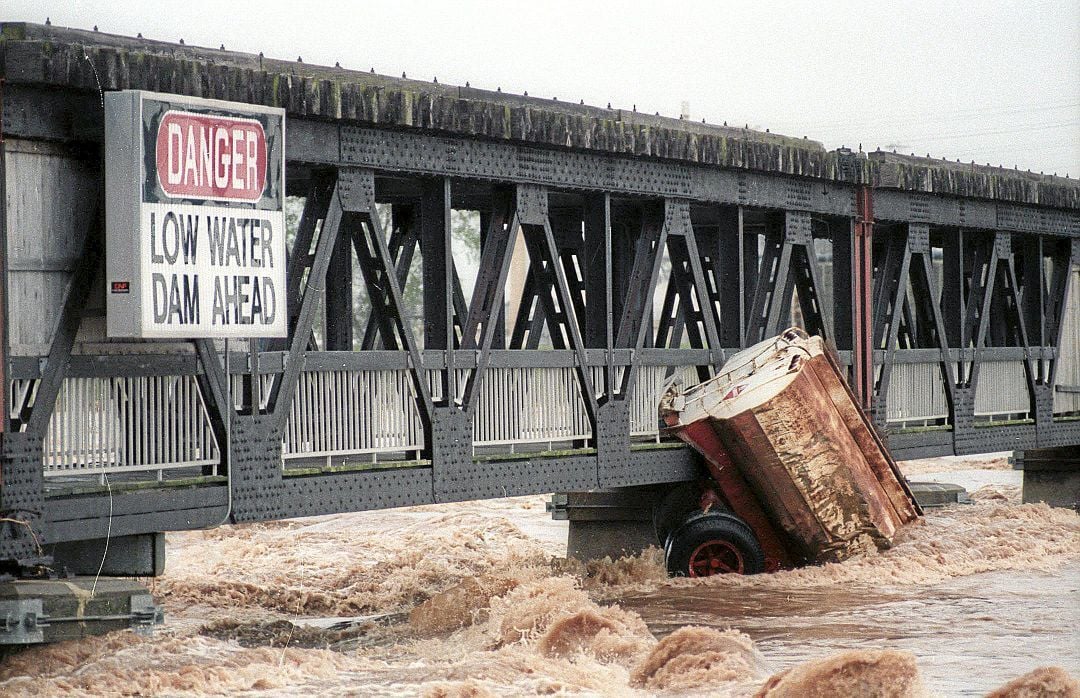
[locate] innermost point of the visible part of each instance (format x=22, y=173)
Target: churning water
x=474, y=600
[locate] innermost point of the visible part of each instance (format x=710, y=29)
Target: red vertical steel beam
x=863, y=344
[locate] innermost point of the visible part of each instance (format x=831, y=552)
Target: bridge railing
x=147, y=423
x=128, y=424
x=352, y=412
x=530, y=405
x=1002, y=390
x=344, y=412
x=916, y=394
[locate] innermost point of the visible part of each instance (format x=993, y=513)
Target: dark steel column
x=339, y=290
x=499, y=340
x=435, y=250
x=594, y=263
x=731, y=277
x=844, y=292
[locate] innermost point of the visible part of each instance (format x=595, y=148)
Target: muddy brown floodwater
x=474, y=599
x=969, y=635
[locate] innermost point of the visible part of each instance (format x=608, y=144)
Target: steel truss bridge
x=618, y=250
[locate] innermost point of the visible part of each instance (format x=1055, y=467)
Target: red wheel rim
x=715, y=557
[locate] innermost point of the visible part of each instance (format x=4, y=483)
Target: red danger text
x=211, y=157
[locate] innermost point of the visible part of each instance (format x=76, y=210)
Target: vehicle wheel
x=713, y=543
x=679, y=504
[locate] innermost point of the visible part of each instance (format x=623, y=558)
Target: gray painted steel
x=976, y=285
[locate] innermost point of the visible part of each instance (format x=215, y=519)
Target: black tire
x=677, y=506
x=713, y=543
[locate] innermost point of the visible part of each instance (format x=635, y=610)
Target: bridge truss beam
x=638, y=269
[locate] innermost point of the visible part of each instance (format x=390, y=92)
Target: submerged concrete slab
x=937, y=494
x=52, y=610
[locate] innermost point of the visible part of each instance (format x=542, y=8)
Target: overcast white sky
x=997, y=82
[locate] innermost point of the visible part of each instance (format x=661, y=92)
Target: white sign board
x=195, y=241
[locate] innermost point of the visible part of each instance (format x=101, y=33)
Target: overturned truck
x=798, y=473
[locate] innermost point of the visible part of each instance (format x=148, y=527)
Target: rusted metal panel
x=794, y=432
x=739, y=495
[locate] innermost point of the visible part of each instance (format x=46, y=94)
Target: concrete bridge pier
x=1051, y=475
x=608, y=523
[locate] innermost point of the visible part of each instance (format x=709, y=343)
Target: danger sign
x=196, y=235
x=211, y=157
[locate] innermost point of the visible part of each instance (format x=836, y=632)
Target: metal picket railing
x=109, y=425
x=147, y=423
x=1002, y=389
x=358, y=412
x=916, y=394
x=336, y=413
x=530, y=405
